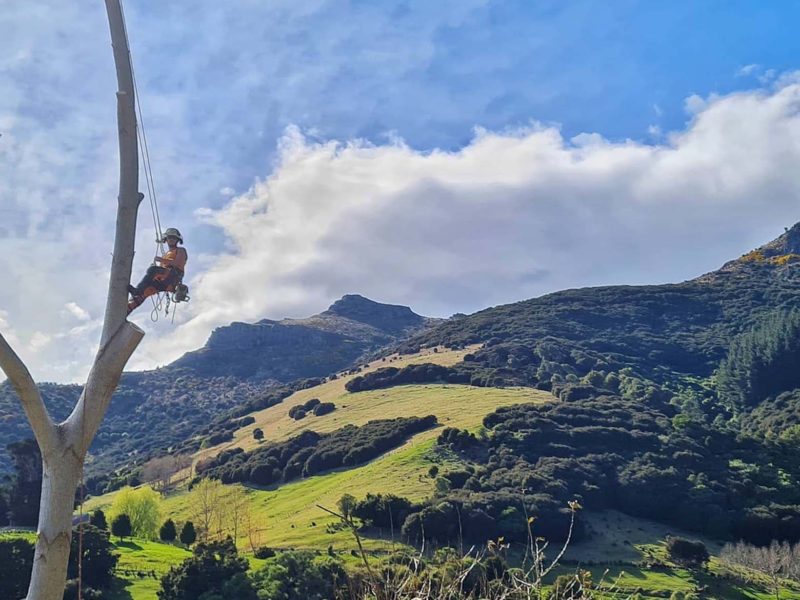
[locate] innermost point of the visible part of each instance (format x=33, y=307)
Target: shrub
x=687, y=553
x=299, y=576
x=98, y=519
x=264, y=552
x=99, y=559
x=16, y=558
x=324, y=408
x=212, y=569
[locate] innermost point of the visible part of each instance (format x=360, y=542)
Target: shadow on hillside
x=130, y=545
x=118, y=590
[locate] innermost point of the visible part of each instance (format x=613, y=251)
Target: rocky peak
x=387, y=317
x=787, y=243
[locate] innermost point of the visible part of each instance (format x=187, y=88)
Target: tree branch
x=83, y=423
x=129, y=196
x=43, y=427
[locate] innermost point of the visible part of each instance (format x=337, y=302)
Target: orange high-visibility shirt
x=175, y=258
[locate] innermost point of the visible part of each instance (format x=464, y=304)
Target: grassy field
x=141, y=566
x=351, y=408
x=288, y=515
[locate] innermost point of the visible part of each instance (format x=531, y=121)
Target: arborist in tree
x=167, y=276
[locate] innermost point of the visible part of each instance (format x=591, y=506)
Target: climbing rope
x=144, y=148
x=153, y=198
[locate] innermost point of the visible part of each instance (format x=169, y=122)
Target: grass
x=350, y=408
x=141, y=566
x=288, y=515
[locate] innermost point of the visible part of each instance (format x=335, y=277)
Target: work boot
x=132, y=290
x=137, y=300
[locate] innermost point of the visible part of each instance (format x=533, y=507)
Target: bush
x=99, y=559
x=16, y=558
x=210, y=572
x=687, y=553
x=324, y=408
x=299, y=576
x=264, y=552
x=311, y=404
x=297, y=412
x=98, y=519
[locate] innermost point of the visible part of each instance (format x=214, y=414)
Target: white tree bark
x=64, y=446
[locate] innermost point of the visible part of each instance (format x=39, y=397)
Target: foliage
x=264, y=552
x=168, y=532
x=142, y=506
x=16, y=559
x=310, y=452
x=687, y=553
x=207, y=571
x=324, y=408
x=121, y=526
x=615, y=453
x=391, y=376
x=26, y=484
x=188, y=534
x=762, y=362
x=99, y=559
x=385, y=511
x=299, y=576
x=98, y=519
x=258, y=434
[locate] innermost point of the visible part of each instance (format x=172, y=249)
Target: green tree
x=98, y=519
x=258, y=434
x=121, y=526
x=142, y=506
x=299, y=576
x=762, y=362
x=16, y=562
x=99, y=560
x=188, y=534
x=26, y=487
x=206, y=574
x=168, y=533
x=346, y=505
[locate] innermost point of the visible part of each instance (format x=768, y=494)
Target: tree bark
x=64, y=446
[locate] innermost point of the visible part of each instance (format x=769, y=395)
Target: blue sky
x=313, y=149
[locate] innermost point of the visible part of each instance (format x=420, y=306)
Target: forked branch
x=43, y=427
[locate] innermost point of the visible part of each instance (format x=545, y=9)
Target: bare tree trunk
x=64, y=446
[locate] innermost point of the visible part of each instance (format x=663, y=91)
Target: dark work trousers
x=158, y=278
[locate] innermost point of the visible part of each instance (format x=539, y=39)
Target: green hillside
x=287, y=514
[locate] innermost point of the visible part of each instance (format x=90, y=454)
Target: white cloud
x=74, y=309
x=654, y=131
x=40, y=341
x=509, y=216
x=227, y=191
x=748, y=70
x=694, y=104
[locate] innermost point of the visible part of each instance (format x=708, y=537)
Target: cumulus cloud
x=509, y=216
x=75, y=310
